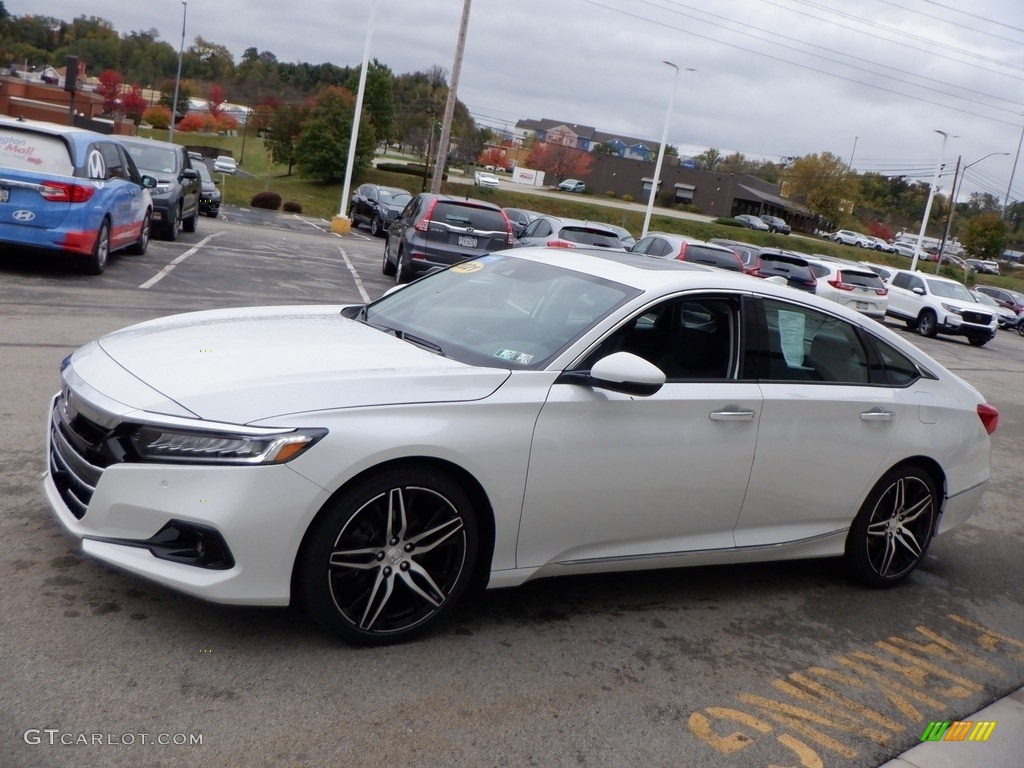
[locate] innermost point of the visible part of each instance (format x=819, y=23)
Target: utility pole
x=449, y=106
x=949, y=215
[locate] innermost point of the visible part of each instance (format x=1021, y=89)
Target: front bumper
x=259, y=512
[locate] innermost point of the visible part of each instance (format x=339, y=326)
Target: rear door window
x=34, y=152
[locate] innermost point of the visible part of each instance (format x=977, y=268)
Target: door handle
x=877, y=414
x=732, y=414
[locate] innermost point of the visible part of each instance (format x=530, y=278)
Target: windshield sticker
x=791, y=335
x=513, y=356
x=468, y=266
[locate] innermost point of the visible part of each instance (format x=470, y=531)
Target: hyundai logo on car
x=23, y=215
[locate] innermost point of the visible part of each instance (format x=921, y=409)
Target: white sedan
x=485, y=179
x=529, y=413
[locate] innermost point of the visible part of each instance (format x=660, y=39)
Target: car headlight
x=955, y=310
x=166, y=444
x=161, y=188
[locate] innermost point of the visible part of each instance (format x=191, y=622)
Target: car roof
x=79, y=136
x=144, y=142
x=464, y=200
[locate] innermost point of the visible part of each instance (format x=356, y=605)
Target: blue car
x=69, y=191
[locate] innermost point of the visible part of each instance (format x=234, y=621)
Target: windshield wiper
x=398, y=333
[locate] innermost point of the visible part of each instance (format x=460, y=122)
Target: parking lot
x=776, y=664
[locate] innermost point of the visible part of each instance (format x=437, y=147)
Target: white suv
x=849, y=237
x=930, y=305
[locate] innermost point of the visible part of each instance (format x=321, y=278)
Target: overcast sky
x=870, y=81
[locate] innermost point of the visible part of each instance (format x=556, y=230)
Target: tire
x=375, y=228
x=97, y=261
x=352, y=217
x=1020, y=328
x=140, y=245
x=891, y=533
x=189, y=224
x=172, y=230
x=911, y=324
x=386, y=266
x=401, y=268
x=927, y=324
x=390, y=557
x=978, y=341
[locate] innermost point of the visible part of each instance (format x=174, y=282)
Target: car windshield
x=395, y=198
x=204, y=172
x=498, y=311
x=984, y=298
x=949, y=290
x=152, y=159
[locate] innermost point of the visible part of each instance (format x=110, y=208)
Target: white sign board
x=527, y=176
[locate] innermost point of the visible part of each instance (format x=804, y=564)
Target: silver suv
x=931, y=305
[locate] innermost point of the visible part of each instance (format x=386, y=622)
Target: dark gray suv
x=436, y=231
x=178, y=186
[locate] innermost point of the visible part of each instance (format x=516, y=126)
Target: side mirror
x=190, y=173
x=626, y=373
x=918, y=290
x=149, y=182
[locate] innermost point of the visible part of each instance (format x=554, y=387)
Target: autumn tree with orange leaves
x=561, y=160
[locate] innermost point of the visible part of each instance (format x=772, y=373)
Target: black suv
x=176, y=197
x=436, y=231
x=377, y=207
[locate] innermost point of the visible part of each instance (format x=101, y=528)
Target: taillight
x=681, y=256
x=882, y=291
x=508, y=228
x=840, y=285
x=423, y=222
x=557, y=243
x=62, y=192
x=989, y=417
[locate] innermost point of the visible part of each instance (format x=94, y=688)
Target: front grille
x=79, y=452
x=978, y=318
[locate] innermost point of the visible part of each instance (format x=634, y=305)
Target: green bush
x=413, y=169
x=610, y=193
x=270, y=201
x=290, y=206
x=627, y=198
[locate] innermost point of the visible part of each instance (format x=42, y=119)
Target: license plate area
x=5, y=194
x=467, y=242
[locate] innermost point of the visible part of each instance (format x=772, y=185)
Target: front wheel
x=390, y=557
x=174, y=225
x=189, y=224
x=927, y=324
x=1020, y=327
x=97, y=261
x=140, y=245
x=891, y=533
x=375, y=226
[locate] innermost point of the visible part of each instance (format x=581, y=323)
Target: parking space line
x=167, y=270
x=355, y=276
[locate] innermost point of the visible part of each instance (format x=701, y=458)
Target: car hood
x=250, y=364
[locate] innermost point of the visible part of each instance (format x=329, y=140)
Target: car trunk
x=458, y=231
x=28, y=162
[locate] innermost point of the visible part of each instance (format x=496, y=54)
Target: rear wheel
x=927, y=324
x=189, y=224
x=386, y=266
x=140, y=246
x=401, y=268
x=1020, y=327
x=891, y=533
x=97, y=261
x=390, y=557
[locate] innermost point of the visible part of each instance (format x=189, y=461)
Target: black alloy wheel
x=891, y=533
x=927, y=324
x=375, y=228
x=389, y=557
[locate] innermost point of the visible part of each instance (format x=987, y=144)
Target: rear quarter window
x=34, y=152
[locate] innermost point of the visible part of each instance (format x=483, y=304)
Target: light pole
x=959, y=173
x=341, y=224
x=177, y=80
x=661, y=149
x=931, y=196
x=1013, y=170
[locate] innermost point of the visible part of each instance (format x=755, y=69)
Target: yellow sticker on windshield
x=468, y=266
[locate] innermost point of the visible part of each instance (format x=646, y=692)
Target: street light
x=177, y=80
x=341, y=224
x=931, y=197
x=959, y=173
x=1006, y=201
x=661, y=149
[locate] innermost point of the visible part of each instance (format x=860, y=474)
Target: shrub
x=157, y=116
x=269, y=201
x=627, y=198
x=610, y=193
x=290, y=206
